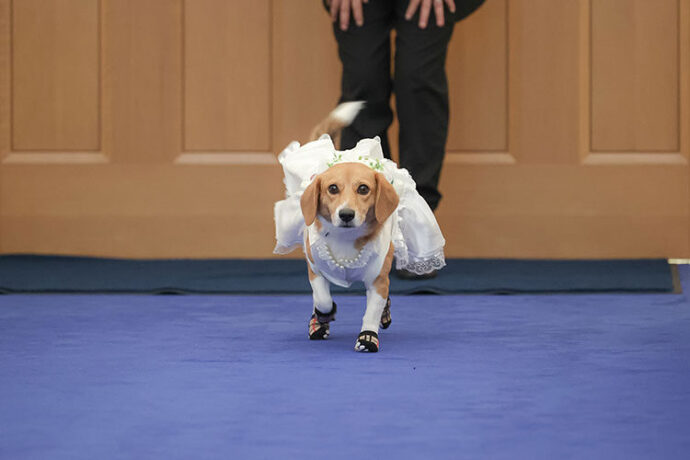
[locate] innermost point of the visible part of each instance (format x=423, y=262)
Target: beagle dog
x=347, y=211
x=344, y=213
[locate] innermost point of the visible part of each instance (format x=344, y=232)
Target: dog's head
x=349, y=195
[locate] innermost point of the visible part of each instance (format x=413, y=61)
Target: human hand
x=426, y=9
x=342, y=8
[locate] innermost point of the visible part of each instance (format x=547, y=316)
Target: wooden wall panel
x=306, y=69
x=544, y=80
x=521, y=179
x=142, y=80
x=227, y=64
x=478, y=74
x=55, y=75
x=635, y=65
x=140, y=210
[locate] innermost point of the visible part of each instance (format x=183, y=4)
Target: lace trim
x=422, y=266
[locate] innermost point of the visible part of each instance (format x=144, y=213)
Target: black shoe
x=368, y=341
x=386, y=315
x=319, y=329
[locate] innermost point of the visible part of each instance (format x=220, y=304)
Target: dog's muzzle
x=346, y=215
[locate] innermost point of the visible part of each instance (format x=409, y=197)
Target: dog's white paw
x=367, y=341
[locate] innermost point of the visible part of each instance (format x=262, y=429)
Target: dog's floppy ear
x=310, y=201
x=386, y=199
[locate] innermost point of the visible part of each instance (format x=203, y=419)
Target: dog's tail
x=341, y=117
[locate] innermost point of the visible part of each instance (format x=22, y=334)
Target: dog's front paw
x=318, y=331
x=319, y=328
x=367, y=341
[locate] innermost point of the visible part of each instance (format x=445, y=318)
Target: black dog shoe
x=386, y=315
x=318, y=324
x=367, y=341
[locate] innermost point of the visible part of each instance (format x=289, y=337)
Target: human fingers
x=438, y=12
x=451, y=5
x=424, y=11
x=344, y=14
x=335, y=7
x=357, y=12
x=411, y=8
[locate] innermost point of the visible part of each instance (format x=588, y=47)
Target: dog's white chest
x=339, y=261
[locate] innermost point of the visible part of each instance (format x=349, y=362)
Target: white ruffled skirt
x=417, y=238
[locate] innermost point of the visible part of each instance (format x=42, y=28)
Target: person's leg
x=365, y=54
x=421, y=92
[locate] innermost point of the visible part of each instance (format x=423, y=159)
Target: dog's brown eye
x=363, y=189
x=333, y=189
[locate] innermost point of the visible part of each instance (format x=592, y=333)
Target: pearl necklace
x=343, y=263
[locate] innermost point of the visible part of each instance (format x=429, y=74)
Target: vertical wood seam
x=183, y=77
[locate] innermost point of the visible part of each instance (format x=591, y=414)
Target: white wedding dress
x=416, y=236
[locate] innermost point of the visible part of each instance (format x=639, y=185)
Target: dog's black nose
x=346, y=215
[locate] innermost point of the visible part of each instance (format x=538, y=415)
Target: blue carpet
x=514, y=377
x=288, y=276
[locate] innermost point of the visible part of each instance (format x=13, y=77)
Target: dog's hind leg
x=386, y=315
x=324, y=307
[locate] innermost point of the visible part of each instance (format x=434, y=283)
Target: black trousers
x=418, y=81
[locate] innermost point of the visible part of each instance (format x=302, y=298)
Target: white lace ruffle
x=422, y=266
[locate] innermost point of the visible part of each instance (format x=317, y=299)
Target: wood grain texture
x=635, y=65
x=55, y=75
x=544, y=83
x=306, y=69
x=556, y=211
x=143, y=80
x=477, y=66
x=227, y=75
x=141, y=210
x=523, y=180
x=5, y=93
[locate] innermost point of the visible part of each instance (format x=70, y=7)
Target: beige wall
x=149, y=128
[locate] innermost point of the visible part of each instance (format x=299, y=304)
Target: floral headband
x=373, y=163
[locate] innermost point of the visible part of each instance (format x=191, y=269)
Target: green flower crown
x=374, y=164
